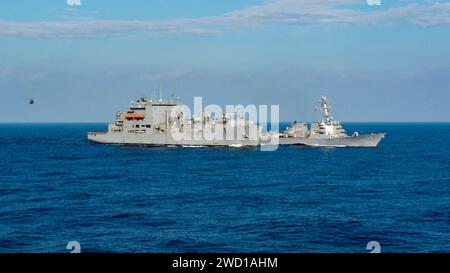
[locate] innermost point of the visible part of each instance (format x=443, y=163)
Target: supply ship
x=165, y=123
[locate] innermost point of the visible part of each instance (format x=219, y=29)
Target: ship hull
x=162, y=140
x=371, y=140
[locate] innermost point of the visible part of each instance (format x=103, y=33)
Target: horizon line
x=106, y=122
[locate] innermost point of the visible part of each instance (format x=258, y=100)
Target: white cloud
x=287, y=12
x=339, y=11
x=86, y=27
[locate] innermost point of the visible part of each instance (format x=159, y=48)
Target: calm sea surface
x=57, y=187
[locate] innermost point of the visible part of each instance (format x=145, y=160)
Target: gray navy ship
x=151, y=122
x=326, y=133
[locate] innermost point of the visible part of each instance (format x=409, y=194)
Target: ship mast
x=326, y=110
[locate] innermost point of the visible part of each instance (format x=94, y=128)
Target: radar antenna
x=326, y=110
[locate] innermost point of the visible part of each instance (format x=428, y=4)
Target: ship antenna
x=326, y=109
x=171, y=95
x=160, y=94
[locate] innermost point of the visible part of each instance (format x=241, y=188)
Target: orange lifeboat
x=134, y=116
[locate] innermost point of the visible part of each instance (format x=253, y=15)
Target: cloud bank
x=274, y=12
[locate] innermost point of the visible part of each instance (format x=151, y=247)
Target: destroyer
x=328, y=133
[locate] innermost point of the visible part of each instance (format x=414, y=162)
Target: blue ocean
x=57, y=187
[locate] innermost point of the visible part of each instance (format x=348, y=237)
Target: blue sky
x=387, y=62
